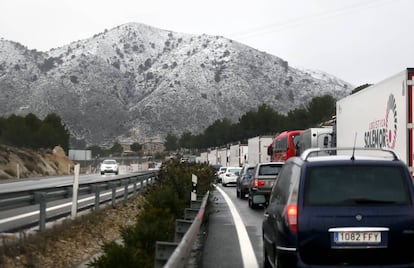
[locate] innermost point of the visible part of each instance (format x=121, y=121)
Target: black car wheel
x=251, y=204
x=242, y=194
x=282, y=262
x=266, y=262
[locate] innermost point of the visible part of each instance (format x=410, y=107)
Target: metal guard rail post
x=43, y=195
x=181, y=253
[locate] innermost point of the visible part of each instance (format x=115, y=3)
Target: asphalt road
x=234, y=237
x=16, y=218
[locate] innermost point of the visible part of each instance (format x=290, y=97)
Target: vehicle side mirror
x=269, y=150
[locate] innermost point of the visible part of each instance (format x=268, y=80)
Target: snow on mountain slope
x=139, y=81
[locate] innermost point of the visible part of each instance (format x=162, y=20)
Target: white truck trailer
x=238, y=155
x=222, y=156
x=212, y=157
x=379, y=116
x=203, y=158
x=257, y=149
x=320, y=137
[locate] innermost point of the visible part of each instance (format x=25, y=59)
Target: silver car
x=260, y=186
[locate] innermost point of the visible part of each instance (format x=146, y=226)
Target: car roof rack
x=332, y=151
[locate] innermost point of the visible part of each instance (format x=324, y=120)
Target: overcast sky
x=359, y=41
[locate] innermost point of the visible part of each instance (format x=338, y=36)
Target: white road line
x=36, y=212
x=246, y=248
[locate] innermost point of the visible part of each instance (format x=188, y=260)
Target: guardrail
x=174, y=254
x=131, y=183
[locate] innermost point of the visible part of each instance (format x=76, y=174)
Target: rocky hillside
x=32, y=163
x=138, y=81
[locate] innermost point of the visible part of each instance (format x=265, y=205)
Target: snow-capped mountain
x=138, y=81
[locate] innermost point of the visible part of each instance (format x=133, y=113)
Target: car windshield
x=109, y=162
x=269, y=170
x=356, y=185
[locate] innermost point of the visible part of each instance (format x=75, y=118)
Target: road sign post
x=75, y=191
x=194, y=190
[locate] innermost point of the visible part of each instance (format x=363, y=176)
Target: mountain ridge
x=139, y=82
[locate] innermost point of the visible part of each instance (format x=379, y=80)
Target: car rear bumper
x=288, y=256
x=291, y=258
x=229, y=181
x=258, y=191
x=303, y=265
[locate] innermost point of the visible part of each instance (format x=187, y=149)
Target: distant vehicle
x=243, y=180
x=284, y=146
x=257, y=149
x=109, y=166
x=347, y=210
x=215, y=168
x=219, y=173
x=237, y=154
x=230, y=175
x=154, y=165
x=314, y=138
x=263, y=178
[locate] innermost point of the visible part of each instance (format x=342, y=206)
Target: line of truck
x=377, y=116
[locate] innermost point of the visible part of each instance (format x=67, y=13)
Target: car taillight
x=292, y=217
x=258, y=183
x=227, y=175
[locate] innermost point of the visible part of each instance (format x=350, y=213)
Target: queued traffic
x=341, y=195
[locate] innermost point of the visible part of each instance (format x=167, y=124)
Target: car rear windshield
x=233, y=170
x=109, y=162
x=355, y=186
x=250, y=170
x=269, y=170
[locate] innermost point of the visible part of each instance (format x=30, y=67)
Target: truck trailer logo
x=383, y=132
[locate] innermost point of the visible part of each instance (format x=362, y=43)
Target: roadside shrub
x=164, y=203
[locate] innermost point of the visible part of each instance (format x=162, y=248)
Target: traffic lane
x=16, y=185
x=15, y=219
x=230, y=242
x=40, y=183
x=252, y=219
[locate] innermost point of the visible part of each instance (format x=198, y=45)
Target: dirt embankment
x=26, y=163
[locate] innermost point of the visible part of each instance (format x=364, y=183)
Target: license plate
x=357, y=237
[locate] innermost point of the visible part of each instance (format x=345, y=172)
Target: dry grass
x=72, y=242
x=32, y=163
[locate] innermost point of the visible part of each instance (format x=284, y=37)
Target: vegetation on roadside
x=164, y=203
x=18, y=162
x=140, y=222
x=68, y=243
x=32, y=132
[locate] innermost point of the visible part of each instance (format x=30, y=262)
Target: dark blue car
x=340, y=211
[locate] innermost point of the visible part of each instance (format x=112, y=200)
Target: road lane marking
x=246, y=248
x=36, y=212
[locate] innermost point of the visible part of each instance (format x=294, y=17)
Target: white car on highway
x=230, y=175
x=109, y=166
